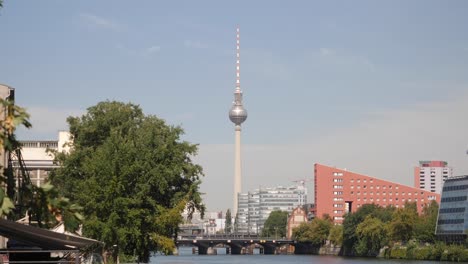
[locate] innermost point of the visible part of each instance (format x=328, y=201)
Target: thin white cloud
x=326, y=51
x=387, y=145
x=153, y=49
x=138, y=52
x=195, y=44
x=100, y=22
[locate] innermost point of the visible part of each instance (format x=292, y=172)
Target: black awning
x=42, y=238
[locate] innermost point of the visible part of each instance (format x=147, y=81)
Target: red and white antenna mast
x=238, y=59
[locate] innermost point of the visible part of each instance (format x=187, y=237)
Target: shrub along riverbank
x=388, y=232
x=438, y=252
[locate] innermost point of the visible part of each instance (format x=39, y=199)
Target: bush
x=437, y=251
x=455, y=253
x=423, y=253
x=398, y=253
x=410, y=248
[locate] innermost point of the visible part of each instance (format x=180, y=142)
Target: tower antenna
x=238, y=59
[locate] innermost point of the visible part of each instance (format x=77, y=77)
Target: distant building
x=212, y=223
x=255, y=207
x=452, y=222
x=297, y=217
x=210, y=227
x=338, y=192
x=430, y=175
x=37, y=158
x=190, y=231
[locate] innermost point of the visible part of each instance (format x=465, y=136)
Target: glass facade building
x=255, y=207
x=452, y=222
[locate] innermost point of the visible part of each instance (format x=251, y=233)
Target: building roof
x=457, y=178
x=43, y=238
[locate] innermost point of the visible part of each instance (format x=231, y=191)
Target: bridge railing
x=231, y=236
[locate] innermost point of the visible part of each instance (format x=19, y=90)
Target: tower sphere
x=237, y=114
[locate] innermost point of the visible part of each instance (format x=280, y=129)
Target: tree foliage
x=133, y=176
x=352, y=220
x=315, y=232
x=425, y=225
x=228, y=222
x=336, y=235
x=371, y=227
x=401, y=227
x=13, y=116
x=275, y=225
x=236, y=223
x=371, y=235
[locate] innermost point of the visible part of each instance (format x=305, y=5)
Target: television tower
x=237, y=115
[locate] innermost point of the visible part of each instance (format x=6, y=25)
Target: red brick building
x=297, y=217
x=339, y=191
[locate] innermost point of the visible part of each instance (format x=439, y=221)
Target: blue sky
x=373, y=86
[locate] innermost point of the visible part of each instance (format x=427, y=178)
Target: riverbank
x=438, y=252
x=409, y=251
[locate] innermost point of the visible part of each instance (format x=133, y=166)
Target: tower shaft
x=237, y=168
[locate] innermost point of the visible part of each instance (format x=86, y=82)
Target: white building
x=431, y=175
x=38, y=158
x=255, y=207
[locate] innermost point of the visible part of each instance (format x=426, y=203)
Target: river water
x=186, y=257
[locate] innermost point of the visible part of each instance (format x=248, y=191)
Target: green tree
x=228, y=222
x=275, y=225
x=236, y=223
x=426, y=223
x=351, y=221
x=401, y=227
x=133, y=176
x=12, y=116
x=316, y=231
x=336, y=235
x=371, y=235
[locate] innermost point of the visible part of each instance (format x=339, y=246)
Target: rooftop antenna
x=237, y=59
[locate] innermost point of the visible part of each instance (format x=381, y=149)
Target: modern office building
x=430, y=175
x=255, y=207
x=452, y=222
x=339, y=191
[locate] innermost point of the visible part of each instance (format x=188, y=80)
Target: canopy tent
x=43, y=238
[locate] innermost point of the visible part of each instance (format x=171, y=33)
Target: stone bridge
x=238, y=245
